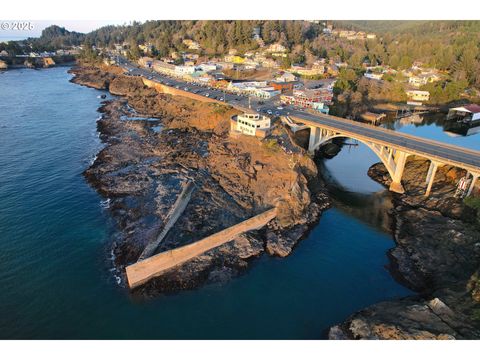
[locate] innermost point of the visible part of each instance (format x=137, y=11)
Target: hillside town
x=325, y=173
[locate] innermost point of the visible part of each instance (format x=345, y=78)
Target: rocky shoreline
x=156, y=142
x=437, y=254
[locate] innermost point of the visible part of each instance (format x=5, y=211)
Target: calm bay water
x=55, y=277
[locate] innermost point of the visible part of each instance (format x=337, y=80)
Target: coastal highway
x=461, y=157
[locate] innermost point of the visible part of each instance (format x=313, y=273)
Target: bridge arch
x=393, y=160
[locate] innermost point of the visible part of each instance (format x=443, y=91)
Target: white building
x=276, y=48
x=417, y=81
x=373, y=76
x=207, y=67
x=184, y=70
x=418, y=95
x=286, y=77
x=266, y=92
x=252, y=124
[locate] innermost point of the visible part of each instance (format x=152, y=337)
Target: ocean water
x=55, y=273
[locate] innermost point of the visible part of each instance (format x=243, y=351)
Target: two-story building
x=251, y=124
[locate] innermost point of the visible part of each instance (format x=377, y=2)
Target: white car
x=207, y=94
x=269, y=112
x=280, y=108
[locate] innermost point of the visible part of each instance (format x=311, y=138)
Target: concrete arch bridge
x=391, y=147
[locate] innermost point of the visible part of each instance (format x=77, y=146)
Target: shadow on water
x=372, y=208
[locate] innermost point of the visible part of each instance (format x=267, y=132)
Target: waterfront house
x=251, y=124
x=468, y=113
x=417, y=95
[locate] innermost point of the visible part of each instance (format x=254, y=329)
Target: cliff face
x=437, y=253
x=141, y=171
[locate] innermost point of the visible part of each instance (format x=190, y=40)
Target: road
x=465, y=158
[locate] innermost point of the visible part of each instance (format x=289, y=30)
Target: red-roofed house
x=466, y=113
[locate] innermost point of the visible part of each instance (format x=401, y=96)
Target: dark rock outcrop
x=437, y=253
x=141, y=171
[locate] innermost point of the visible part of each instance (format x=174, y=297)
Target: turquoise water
x=55, y=276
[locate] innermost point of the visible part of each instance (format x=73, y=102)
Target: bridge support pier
x=314, y=139
x=432, y=170
x=400, y=160
x=472, y=184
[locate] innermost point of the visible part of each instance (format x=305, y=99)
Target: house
x=146, y=47
x=269, y=63
x=181, y=70
x=225, y=65
x=207, y=67
x=417, y=81
x=467, y=113
x=417, y=95
x=373, y=76
x=304, y=71
x=276, y=48
x=286, y=77
x=252, y=124
x=235, y=59
x=191, y=45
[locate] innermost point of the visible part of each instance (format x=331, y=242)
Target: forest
x=449, y=46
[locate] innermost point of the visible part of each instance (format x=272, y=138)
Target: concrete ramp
x=172, y=216
x=142, y=271
x=293, y=126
